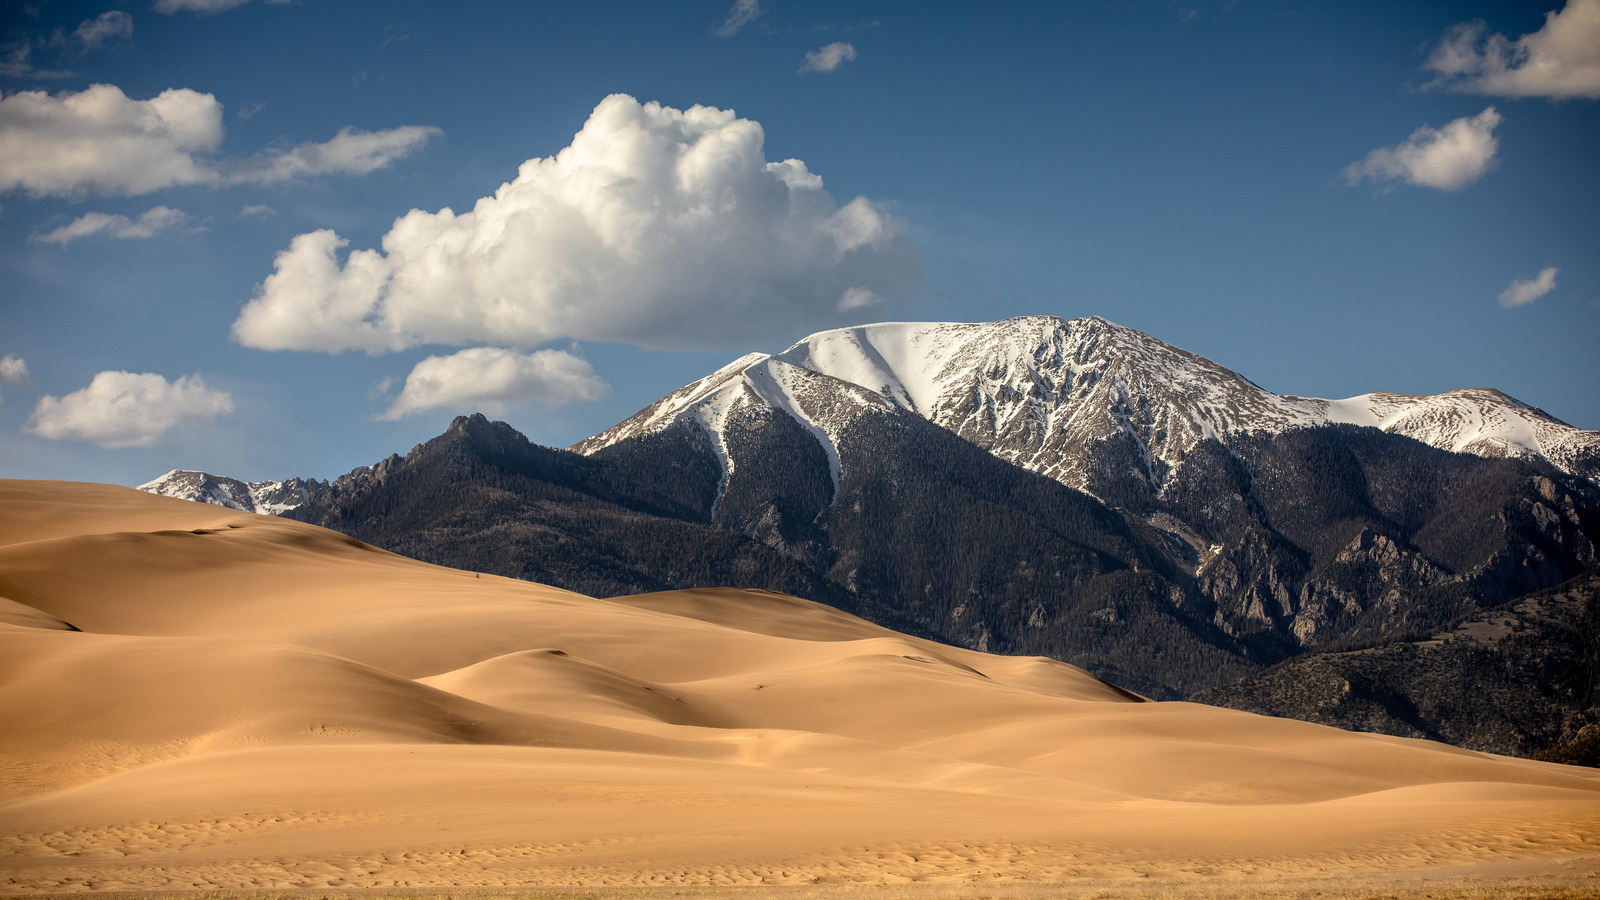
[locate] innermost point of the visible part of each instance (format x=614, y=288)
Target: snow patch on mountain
x=272, y=498
x=820, y=403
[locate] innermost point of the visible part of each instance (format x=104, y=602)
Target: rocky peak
x=1056, y=396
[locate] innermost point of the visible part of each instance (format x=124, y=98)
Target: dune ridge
x=194, y=697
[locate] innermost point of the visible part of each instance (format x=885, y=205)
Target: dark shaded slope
x=1515, y=679
x=970, y=549
x=1323, y=536
x=481, y=497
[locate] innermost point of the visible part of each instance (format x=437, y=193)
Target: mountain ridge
x=1035, y=390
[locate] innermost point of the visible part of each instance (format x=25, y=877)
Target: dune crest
x=198, y=697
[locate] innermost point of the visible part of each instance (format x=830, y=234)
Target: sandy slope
x=195, y=697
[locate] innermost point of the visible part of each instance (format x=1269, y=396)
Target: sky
x=272, y=239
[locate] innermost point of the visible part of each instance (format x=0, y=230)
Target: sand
x=197, y=698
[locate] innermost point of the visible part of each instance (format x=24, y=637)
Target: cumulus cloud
x=14, y=373
x=1559, y=61
x=741, y=14
x=1525, y=291
x=656, y=227
x=828, y=58
x=470, y=379
x=153, y=222
x=124, y=409
x=102, y=141
x=95, y=33
x=1448, y=158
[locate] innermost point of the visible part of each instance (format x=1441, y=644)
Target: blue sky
x=201, y=267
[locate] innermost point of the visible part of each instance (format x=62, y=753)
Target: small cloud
x=491, y=375
x=102, y=141
x=245, y=112
x=1559, y=61
x=1448, y=158
x=124, y=409
x=856, y=298
x=151, y=223
x=113, y=25
x=396, y=34
x=351, y=152
x=14, y=373
x=170, y=7
x=828, y=58
x=1525, y=291
x=743, y=13
x=260, y=211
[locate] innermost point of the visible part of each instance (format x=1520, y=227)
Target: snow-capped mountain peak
x=1041, y=391
x=271, y=498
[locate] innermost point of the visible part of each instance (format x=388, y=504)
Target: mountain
x=481, y=496
x=1065, y=488
x=271, y=498
x=1301, y=522
x=1041, y=392
x=1513, y=680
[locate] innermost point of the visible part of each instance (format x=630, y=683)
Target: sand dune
x=194, y=697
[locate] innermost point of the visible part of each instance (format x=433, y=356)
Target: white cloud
x=1448, y=158
x=153, y=222
x=1559, y=61
x=124, y=409
x=109, y=26
x=102, y=141
x=656, y=227
x=257, y=211
x=468, y=380
x=1525, y=291
x=742, y=13
x=857, y=298
x=14, y=373
x=351, y=152
x=828, y=58
x=170, y=7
